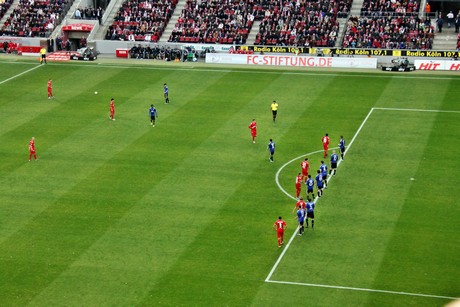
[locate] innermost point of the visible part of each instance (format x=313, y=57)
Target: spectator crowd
x=32, y=18
x=383, y=24
x=301, y=23
x=385, y=32
x=89, y=13
x=141, y=20
x=213, y=21
x=389, y=24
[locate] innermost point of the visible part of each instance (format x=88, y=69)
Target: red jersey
x=279, y=225
x=301, y=203
x=32, y=146
x=298, y=180
x=253, y=126
x=112, y=107
x=326, y=140
x=305, y=166
x=50, y=84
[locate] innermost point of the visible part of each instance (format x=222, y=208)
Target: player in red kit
x=112, y=109
x=325, y=141
x=280, y=226
x=253, y=127
x=50, y=89
x=301, y=203
x=298, y=184
x=305, y=165
x=32, y=151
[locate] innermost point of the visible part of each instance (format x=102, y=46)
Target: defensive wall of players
x=281, y=55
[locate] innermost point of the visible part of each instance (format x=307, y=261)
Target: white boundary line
x=360, y=289
x=316, y=199
x=20, y=74
x=417, y=110
x=252, y=70
x=286, y=164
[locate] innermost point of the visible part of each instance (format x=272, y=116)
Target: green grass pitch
x=120, y=213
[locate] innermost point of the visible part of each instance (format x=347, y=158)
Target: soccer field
x=181, y=214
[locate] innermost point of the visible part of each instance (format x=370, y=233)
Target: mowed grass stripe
x=359, y=208
x=69, y=149
x=416, y=94
x=92, y=261
x=179, y=136
x=102, y=146
x=424, y=246
x=48, y=120
x=337, y=109
x=237, y=237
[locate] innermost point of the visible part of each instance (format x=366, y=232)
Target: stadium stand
x=90, y=13
x=34, y=18
x=141, y=20
x=296, y=23
x=408, y=32
x=4, y=6
x=389, y=24
x=223, y=21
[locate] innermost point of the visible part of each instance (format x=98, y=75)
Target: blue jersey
x=310, y=183
x=310, y=206
x=153, y=111
x=319, y=181
x=323, y=169
x=301, y=215
x=271, y=147
x=166, y=90
x=342, y=144
x=334, y=158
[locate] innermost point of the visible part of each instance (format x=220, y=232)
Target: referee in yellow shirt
x=274, y=108
x=43, y=55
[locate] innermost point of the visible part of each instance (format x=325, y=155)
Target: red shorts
x=253, y=132
x=325, y=146
x=305, y=172
x=280, y=233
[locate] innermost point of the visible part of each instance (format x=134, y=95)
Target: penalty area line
x=272, y=271
x=417, y=110
x=361, y=289
x=268, y=279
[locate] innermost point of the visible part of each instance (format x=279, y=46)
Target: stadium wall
x=423, y=59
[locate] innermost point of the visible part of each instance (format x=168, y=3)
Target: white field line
x=361, y=289
x=20, y=74
x=417, y=110
x=316, y=199
x=286, y=164
x=252, y=70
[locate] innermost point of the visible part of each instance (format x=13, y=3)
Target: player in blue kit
x=166, y=93
x=301, y=219
x=319, y=183
x=153, y=115
x=310, y=212
x=323, y=169
x=271, y=148
x=334, y=160
x=310, y=183
x=342, y=146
